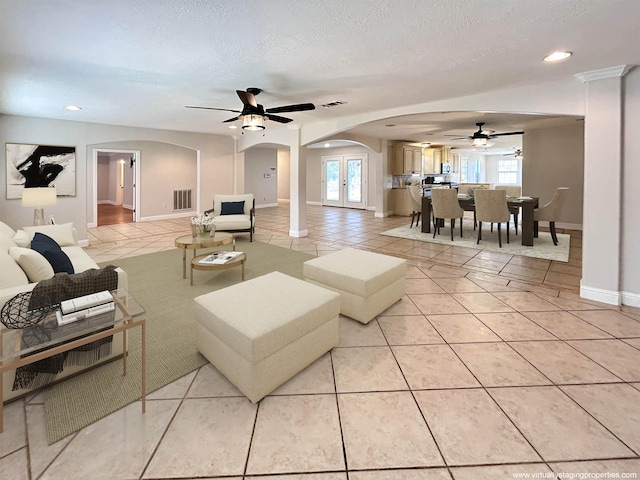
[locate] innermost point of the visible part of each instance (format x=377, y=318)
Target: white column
x=601, y=253
x=298, y=184
x=383, y=182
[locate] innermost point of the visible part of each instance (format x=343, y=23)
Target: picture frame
x=30, y=165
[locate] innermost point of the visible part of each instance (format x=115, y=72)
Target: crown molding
x=610, y=72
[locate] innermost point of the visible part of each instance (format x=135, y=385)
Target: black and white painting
x=40, y=166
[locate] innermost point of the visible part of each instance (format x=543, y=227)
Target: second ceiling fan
x=253, y=114
x=481, y=137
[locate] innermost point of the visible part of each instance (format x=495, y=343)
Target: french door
x=344, y=179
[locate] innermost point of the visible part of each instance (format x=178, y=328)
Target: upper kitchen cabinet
x=427, y=160
x=407, y=160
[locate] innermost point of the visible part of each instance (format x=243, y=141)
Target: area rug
x=155, y=281
x=543, y=246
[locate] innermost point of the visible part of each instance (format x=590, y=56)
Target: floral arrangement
x=203, y=224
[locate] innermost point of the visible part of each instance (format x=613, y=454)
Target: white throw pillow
x=22, y=239
x=12, y=275
x=32, y=263
x=62, y=234
x=6, y=230
x=6, y=243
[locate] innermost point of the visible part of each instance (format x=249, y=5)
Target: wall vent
x=182, y=199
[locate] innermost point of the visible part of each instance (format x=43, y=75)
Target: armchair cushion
x=50, y=250
x=232, y=208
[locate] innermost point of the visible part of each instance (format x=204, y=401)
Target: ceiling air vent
x=333, y=104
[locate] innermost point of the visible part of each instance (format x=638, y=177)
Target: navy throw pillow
x=232, y=208
x=49, y=249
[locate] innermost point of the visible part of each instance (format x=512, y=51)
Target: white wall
x=284, y=179
x=259, y=162
x=104, y=192
x=554, y=157
x=491, y=168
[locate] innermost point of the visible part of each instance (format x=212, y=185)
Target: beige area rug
x=155, y=281
x=543, y=246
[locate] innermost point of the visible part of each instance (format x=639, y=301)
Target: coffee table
x=191, y=242
x=196, y=265
x=24, y=346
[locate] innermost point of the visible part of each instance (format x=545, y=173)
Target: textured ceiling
x=138, y=63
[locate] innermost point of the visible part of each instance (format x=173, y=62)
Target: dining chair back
x=491, y=206
x=444, y=203
x=551, y=211
x=415, y=193
x=513, y=191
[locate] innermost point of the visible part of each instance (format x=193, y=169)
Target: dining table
x=528, y=204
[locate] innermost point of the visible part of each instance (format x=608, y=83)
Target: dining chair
x=513, y=191
x=415, y=192
x=444, y=204
x=491, y=206
x=551, y=211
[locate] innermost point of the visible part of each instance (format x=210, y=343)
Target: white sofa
x=238, y=222
x=16, y=258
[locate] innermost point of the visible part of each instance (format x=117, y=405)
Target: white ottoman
x=261, y=332
x=368, y=283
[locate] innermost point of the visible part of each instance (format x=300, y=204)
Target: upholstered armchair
x=234, y=213
x=444, y=204
x=552, y=211
x=491, y=206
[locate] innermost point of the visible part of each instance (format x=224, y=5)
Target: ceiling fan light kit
x=253, y=123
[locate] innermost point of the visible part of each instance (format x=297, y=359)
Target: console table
x=20, y=347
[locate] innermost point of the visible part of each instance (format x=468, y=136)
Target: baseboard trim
x=631, y=299
x=610, y=297
x=299, y=233
x=168, y=217
x=309, y=202
x=265, y=205
x=83, y=243
x=382, y=214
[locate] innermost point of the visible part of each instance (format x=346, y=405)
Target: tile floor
x=490, y=366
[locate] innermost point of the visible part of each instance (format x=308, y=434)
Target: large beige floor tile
x=556, y=427
x=613, y=322
x=302, y=476
x=355, y=334
x=498, y=365
x=176, y=389
x=525, y=301
x=602, y=467
x=404, y=307
x=616, y=406
x=207, y=437
x=99, y=450
x=413, y=474
x=565, y=325
x=296, y=434
x=470, y=429
x=514, y=326
x=433, y=366
x=209, y=382
x=616, y=356
x=41, y=454
x=316, y=378
x=366, y=369
x=385, y=430
x=499, y=472
x=457, y=328
x=415, y=286
x=458, y=285
x=15, y=466
x=435, y=303
x=563, y=364
x=13, y=436
x=481, y=303
x=409, y=330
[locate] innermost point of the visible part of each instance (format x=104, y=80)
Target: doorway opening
x=344, y=181
x=115, y=190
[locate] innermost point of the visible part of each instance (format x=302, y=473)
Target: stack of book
x=219, y=258
x=85, y=307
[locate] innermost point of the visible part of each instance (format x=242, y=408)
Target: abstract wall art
x=40, y=166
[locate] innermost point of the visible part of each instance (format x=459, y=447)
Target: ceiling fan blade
x=505, y=134
x=233, y=119
x=212, y=108
x=300, y=107
x=459, y=138
x=277, y=118
x=247, y=98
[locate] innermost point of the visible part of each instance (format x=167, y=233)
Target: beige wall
x=258, y=162
x=554, y=157
x=284, y=179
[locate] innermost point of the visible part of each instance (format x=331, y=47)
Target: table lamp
x=39, y=197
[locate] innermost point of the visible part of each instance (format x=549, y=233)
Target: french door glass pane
x=333, y=180
x=354, y=181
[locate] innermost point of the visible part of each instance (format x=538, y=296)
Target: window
x=508, y=171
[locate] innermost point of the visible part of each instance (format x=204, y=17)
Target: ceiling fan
x=253, y=114
x=481, y=137
x=517, y=153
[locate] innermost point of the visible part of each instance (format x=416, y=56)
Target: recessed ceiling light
x=73, y=108
x=557, y=56
x=233, y=126
x=327, y=145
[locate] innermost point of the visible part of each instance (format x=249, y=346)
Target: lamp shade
x=253, y=122
x=479, y=142
x=39, y=197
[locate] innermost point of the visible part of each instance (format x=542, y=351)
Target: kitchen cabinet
x=406, y=160
x=401, y=202
x=427, y=160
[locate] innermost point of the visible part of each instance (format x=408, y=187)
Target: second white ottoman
x=261, y=332
x=368, y=283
